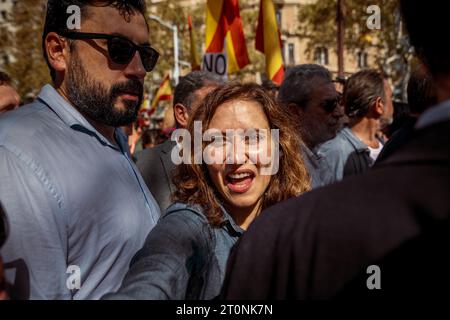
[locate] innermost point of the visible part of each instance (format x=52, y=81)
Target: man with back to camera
x=368, y=106
x=155, y=164
x=77, y=206
x=382, y=234
x=421, y=96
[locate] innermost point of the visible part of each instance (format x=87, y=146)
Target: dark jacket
x=156, y=168
x=320, y=245
x=182, y=258
x=397, y=140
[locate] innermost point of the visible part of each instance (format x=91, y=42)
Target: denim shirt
x=345, y=154
x=317, y=167
x=183, y=258
x=77, y=206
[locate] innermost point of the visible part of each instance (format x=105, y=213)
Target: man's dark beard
x=96, y=102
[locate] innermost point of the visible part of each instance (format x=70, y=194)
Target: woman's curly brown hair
x=192, y=182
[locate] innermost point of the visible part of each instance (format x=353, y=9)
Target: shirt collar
x=433, y=115
x=354, y=140
x=229, y=223
x=312, y=154
x=73, y=118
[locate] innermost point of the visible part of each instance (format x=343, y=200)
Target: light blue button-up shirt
x=339, y=150
x=76, y=203
x=317, y=167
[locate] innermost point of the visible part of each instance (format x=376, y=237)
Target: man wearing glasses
x=368, y=105
x=77, y=206
x=311, y=98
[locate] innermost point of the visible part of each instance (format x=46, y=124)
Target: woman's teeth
x=239, y=175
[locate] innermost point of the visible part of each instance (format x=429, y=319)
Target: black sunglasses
x=331, y=104
x=120, y=49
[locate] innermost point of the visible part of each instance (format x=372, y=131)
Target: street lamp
x=174, y=29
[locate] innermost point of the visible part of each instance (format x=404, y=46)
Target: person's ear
x=57, y=50
x=379, y=106
x=181, y=114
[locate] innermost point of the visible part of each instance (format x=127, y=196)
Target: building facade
x=295, y=45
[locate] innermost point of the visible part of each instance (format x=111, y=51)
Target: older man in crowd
x=310, y=96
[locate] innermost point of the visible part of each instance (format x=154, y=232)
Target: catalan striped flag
x=164, y=92
x=195, y=58
x=223, y=21
x=268, y=41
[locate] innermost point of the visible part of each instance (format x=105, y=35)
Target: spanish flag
x=164, y=92
x=223, y=21
x=268, y=41
x=195, y=59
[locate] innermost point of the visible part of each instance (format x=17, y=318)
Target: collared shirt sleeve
x=35, y=253
x=171, y=262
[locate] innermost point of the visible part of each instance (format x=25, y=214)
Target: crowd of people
x=292, y=192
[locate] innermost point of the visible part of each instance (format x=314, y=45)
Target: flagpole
x=176, y=71
x=340, y=37
x=174, y=29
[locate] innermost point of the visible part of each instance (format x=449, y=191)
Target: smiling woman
x=185, y=255
x=234, y=107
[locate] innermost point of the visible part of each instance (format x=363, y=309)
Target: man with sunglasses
x=77, y=205
x=311, y=98
x=368, y=105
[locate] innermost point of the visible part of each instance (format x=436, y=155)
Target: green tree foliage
x=392, y=51
x=318, y=24
x=162, y=38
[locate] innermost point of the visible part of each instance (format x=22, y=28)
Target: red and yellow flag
x=164, y=92
x=195, y=58
x=268, y=41
x=223, y=21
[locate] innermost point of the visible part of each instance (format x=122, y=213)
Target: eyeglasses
x=331, y=104
x=120, y=49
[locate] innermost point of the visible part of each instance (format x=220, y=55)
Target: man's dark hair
x=270, y=86
x=300, y=82
x=184, y=91
x=4, y=79
x=361, y=91
x=426, y=22
x=3, y=226
x=56, y=17
x=151, y=136
x=421, y=91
